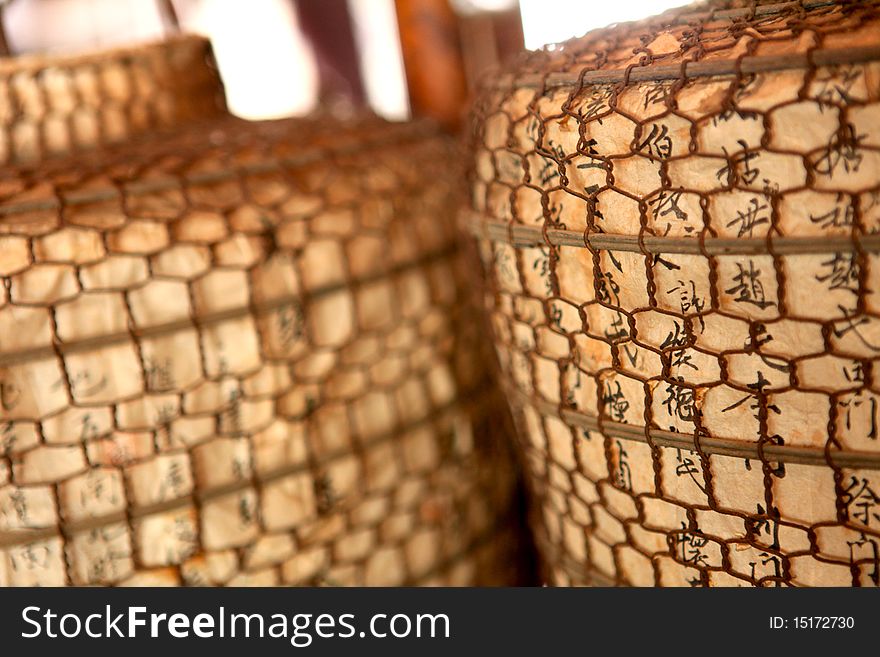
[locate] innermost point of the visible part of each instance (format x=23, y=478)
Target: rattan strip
x=766, y=451
x=526, y=236
x=692, y=69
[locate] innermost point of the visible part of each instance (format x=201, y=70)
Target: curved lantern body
x=232, y=352
x=678, y=219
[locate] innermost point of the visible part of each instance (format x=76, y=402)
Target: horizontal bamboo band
x=722, y=446
x=527, y=236
x=692, y=69
x=11, y=538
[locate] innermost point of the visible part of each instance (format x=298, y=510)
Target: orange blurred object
x=432, y=57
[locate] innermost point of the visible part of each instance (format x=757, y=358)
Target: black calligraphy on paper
x=856, y=401
x=657, y=143
x=289, y=320
x=765, y=523
x=686, y=466
x=10, y=394
x=764, y=559
x=738, y=165
x=853, y=322
x=689, y=301
x=867, y=546
x=679, y=402
x=842, y=150
x=754, y=215
x=835, y=87
x=748, y=286
x=838, y=217
x=32, y=556
x=106, y=552
x=616, y=402
x=158, y=374
x=691, y=547
x=861, y=501
x=841, y=272
x=84, y=383
x=667, y=205
x=622, y=473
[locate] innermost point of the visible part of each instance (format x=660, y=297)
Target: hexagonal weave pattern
x=239, y=354
x=679, y=222
x=51, y=105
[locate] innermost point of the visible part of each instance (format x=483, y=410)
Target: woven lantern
x=679, y=223
x=231, y=352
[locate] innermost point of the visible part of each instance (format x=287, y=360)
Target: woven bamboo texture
x=678, y=220
x=238, y=353
x=51, y=105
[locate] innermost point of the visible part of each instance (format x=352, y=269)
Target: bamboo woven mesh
x=679, y=220
x=50, y=106
x=235, y=353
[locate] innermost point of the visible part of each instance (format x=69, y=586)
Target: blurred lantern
x=233, y=352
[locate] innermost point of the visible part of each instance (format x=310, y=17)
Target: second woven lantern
x=231, y=352
x=678, y=219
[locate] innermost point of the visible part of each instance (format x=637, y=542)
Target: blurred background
x=280, y=58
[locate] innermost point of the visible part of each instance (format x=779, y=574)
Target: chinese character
x=658, y=142
x=616, y=329
x=659, y=93
x=324, y=493
x=10, y=395
x=622, y=473
x=89, y=427
x=33, y=556
x=766, y=558
x=749, y=218
x=687, y=467
x=765, y=525
x=103, y=556
x=868, y=545
x=836, y=87
x=861, y=496
x=729, y=171
x=174, y=484
x=596, y=104
x=749, y=288
x=691, y=545
x=676, y=337
x=666, y=204
x=853, y=325
x=232, y=412
x=8, y=438
x=679, y=402
x=839, y=217
x=616, y=401
x=289, y=318
x=842, y=149
x=16, y=504
x=688, y=299
x=855, y=402
x=843, y=272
